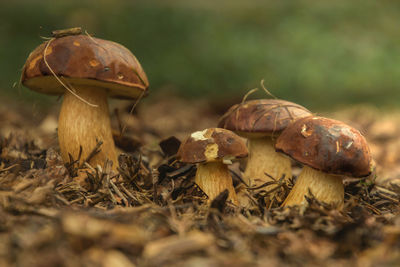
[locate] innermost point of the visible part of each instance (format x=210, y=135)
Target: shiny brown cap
x=327, y=145
x=211, y=145
x=262, y=117
x=85, y=60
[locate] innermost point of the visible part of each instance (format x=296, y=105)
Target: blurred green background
x=319, y=53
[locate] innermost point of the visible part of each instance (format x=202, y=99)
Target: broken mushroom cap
x=262, y=117
x=210, y=145
x=82, y=60
x=212, y=149
x=327, y=145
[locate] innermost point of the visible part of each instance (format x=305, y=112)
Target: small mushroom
x=213, y=150
x=260, y=121
x=93, y=69
x=329, y=150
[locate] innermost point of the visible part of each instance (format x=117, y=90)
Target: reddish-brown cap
x=327, y=145
x=262, y=117
x=211, y=145
x=84, y=60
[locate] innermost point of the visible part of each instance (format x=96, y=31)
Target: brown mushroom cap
x=211, y=145
x=327, y=145
x=84, y=60
x=262, y=117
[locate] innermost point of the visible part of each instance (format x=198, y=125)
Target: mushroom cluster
x=88, y=70
x=279, y=131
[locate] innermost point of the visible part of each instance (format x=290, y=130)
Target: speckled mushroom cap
x=210, y=145
x=262, y=117
x=327, y=145
x=84, y=60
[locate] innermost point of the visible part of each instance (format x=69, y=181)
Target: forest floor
x=152, y=214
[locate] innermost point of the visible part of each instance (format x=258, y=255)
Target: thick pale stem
x=213, y=178
x=83, y=125
x=325, y=187
x=264, y=159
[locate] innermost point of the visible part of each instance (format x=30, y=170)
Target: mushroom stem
x=264, y=159
x=325, y=187
x=92, y=126
x=213, y=178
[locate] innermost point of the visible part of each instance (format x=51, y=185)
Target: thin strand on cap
x=59, y=80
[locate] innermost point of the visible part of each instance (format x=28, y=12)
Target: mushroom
x=329, y=150
x=213, y=150
x=86, y=71
x=260, y=121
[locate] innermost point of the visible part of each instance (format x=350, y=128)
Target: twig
x=76, y=200
x=95, y=150
x=263, y=185
x=239, y=177
x=8, y=168
x=126, y=191
x=119, y=193
x=388, y=198
x=112, y=196
x=132, y=109
x=62, y=199
x=266, y=90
